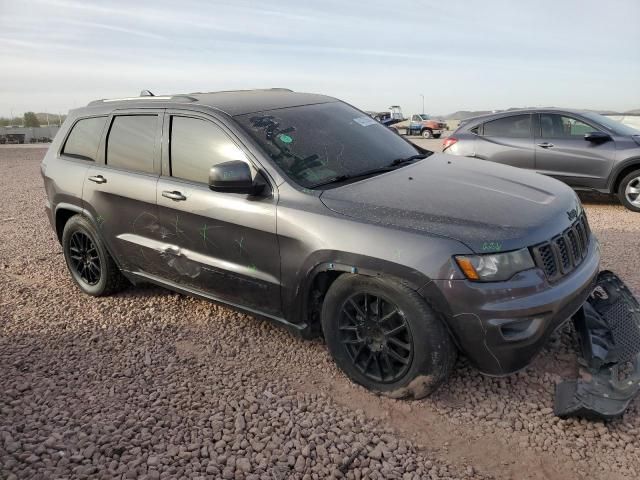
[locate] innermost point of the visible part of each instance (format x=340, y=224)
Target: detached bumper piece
x=608, y=328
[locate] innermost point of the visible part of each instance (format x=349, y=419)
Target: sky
x=461, y=55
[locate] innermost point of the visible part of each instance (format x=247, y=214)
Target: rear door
x=66, y=174
x=563, y=153
x=507, y=140
x=120, y=189
x=222, y=244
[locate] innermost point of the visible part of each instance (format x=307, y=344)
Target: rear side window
x=84, y=139
x=196, y=145
x=516, y=126
x=553, y=125
x=131, y=142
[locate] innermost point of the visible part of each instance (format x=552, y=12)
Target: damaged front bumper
x=502, y=326
x=608, y=329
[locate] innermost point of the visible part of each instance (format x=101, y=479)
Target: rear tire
x=629, y=191
x=88, y=261
x=393, y=343
x=426, y=133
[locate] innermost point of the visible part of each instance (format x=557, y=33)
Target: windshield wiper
x=392, y=166
x=342, y=178
x=412, y=158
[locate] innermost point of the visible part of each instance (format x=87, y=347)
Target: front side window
x=611, y=124
x=515, y=126
x=131, y=142
x=315, y=144
x=196, y=145
x=84, y=139
x=553, y=125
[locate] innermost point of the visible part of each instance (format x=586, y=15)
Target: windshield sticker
x=285, y=138
x=365, y=121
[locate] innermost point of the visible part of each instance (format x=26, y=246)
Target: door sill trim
x=298, y=328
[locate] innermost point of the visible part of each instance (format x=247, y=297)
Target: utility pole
x=422, y=102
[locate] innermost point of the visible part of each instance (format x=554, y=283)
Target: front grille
x=563, y=253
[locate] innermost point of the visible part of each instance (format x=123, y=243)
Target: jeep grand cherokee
x=303, y=209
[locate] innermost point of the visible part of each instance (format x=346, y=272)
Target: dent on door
x=222, y=244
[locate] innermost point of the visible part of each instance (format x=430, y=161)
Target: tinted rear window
x=84, y=139
x=197, y=145
x=131, y=142
x=516, y=126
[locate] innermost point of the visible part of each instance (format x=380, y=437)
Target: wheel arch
x=321, y=275
x=63, y=212
x=622, y=171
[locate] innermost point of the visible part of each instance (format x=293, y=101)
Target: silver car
x=583, y=149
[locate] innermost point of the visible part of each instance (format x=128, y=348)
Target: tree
x=31, y=120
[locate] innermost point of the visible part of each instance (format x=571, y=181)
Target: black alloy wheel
x=84, y=258
x=376, y=336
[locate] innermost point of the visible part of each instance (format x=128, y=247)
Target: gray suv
x=583, y=149
x=304, y=210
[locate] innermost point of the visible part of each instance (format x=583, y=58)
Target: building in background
x=27, y=134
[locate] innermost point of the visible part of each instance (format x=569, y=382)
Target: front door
x=222, y=244
x=563, y=153
x=120, y=189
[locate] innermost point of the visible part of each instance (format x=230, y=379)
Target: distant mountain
x=633, y=112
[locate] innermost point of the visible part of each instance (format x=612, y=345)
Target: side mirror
x=233, y=177
x=596, y=137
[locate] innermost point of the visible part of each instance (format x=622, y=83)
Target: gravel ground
x=152, y=384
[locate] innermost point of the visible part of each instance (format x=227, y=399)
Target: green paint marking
x=203, y=231
x=491, y=246
x=285, y=138
x=252, y=267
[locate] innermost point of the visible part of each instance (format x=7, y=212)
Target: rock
x=243, y=464
x=299, y=465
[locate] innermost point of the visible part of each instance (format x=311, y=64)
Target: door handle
x=175, y=195
x=98, y=179
x=545, y=145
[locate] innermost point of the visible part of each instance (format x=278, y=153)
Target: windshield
x=424, y=116
x=314, y=144
x=611, y=125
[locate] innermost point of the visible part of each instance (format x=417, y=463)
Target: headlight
x=495, y=267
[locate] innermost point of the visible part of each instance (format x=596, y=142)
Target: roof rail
x=145, y=98
x=245, y=90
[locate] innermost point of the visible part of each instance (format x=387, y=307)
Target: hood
x=485, y=205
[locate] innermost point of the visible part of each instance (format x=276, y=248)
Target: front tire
x=629, y=191
x=426, y=133
x=88, y=261
x=384, y=336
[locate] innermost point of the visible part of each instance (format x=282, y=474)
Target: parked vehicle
x=420, y=124
x=390, y=117
x=14, y=138
x=304, y=210
x=583, y=149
